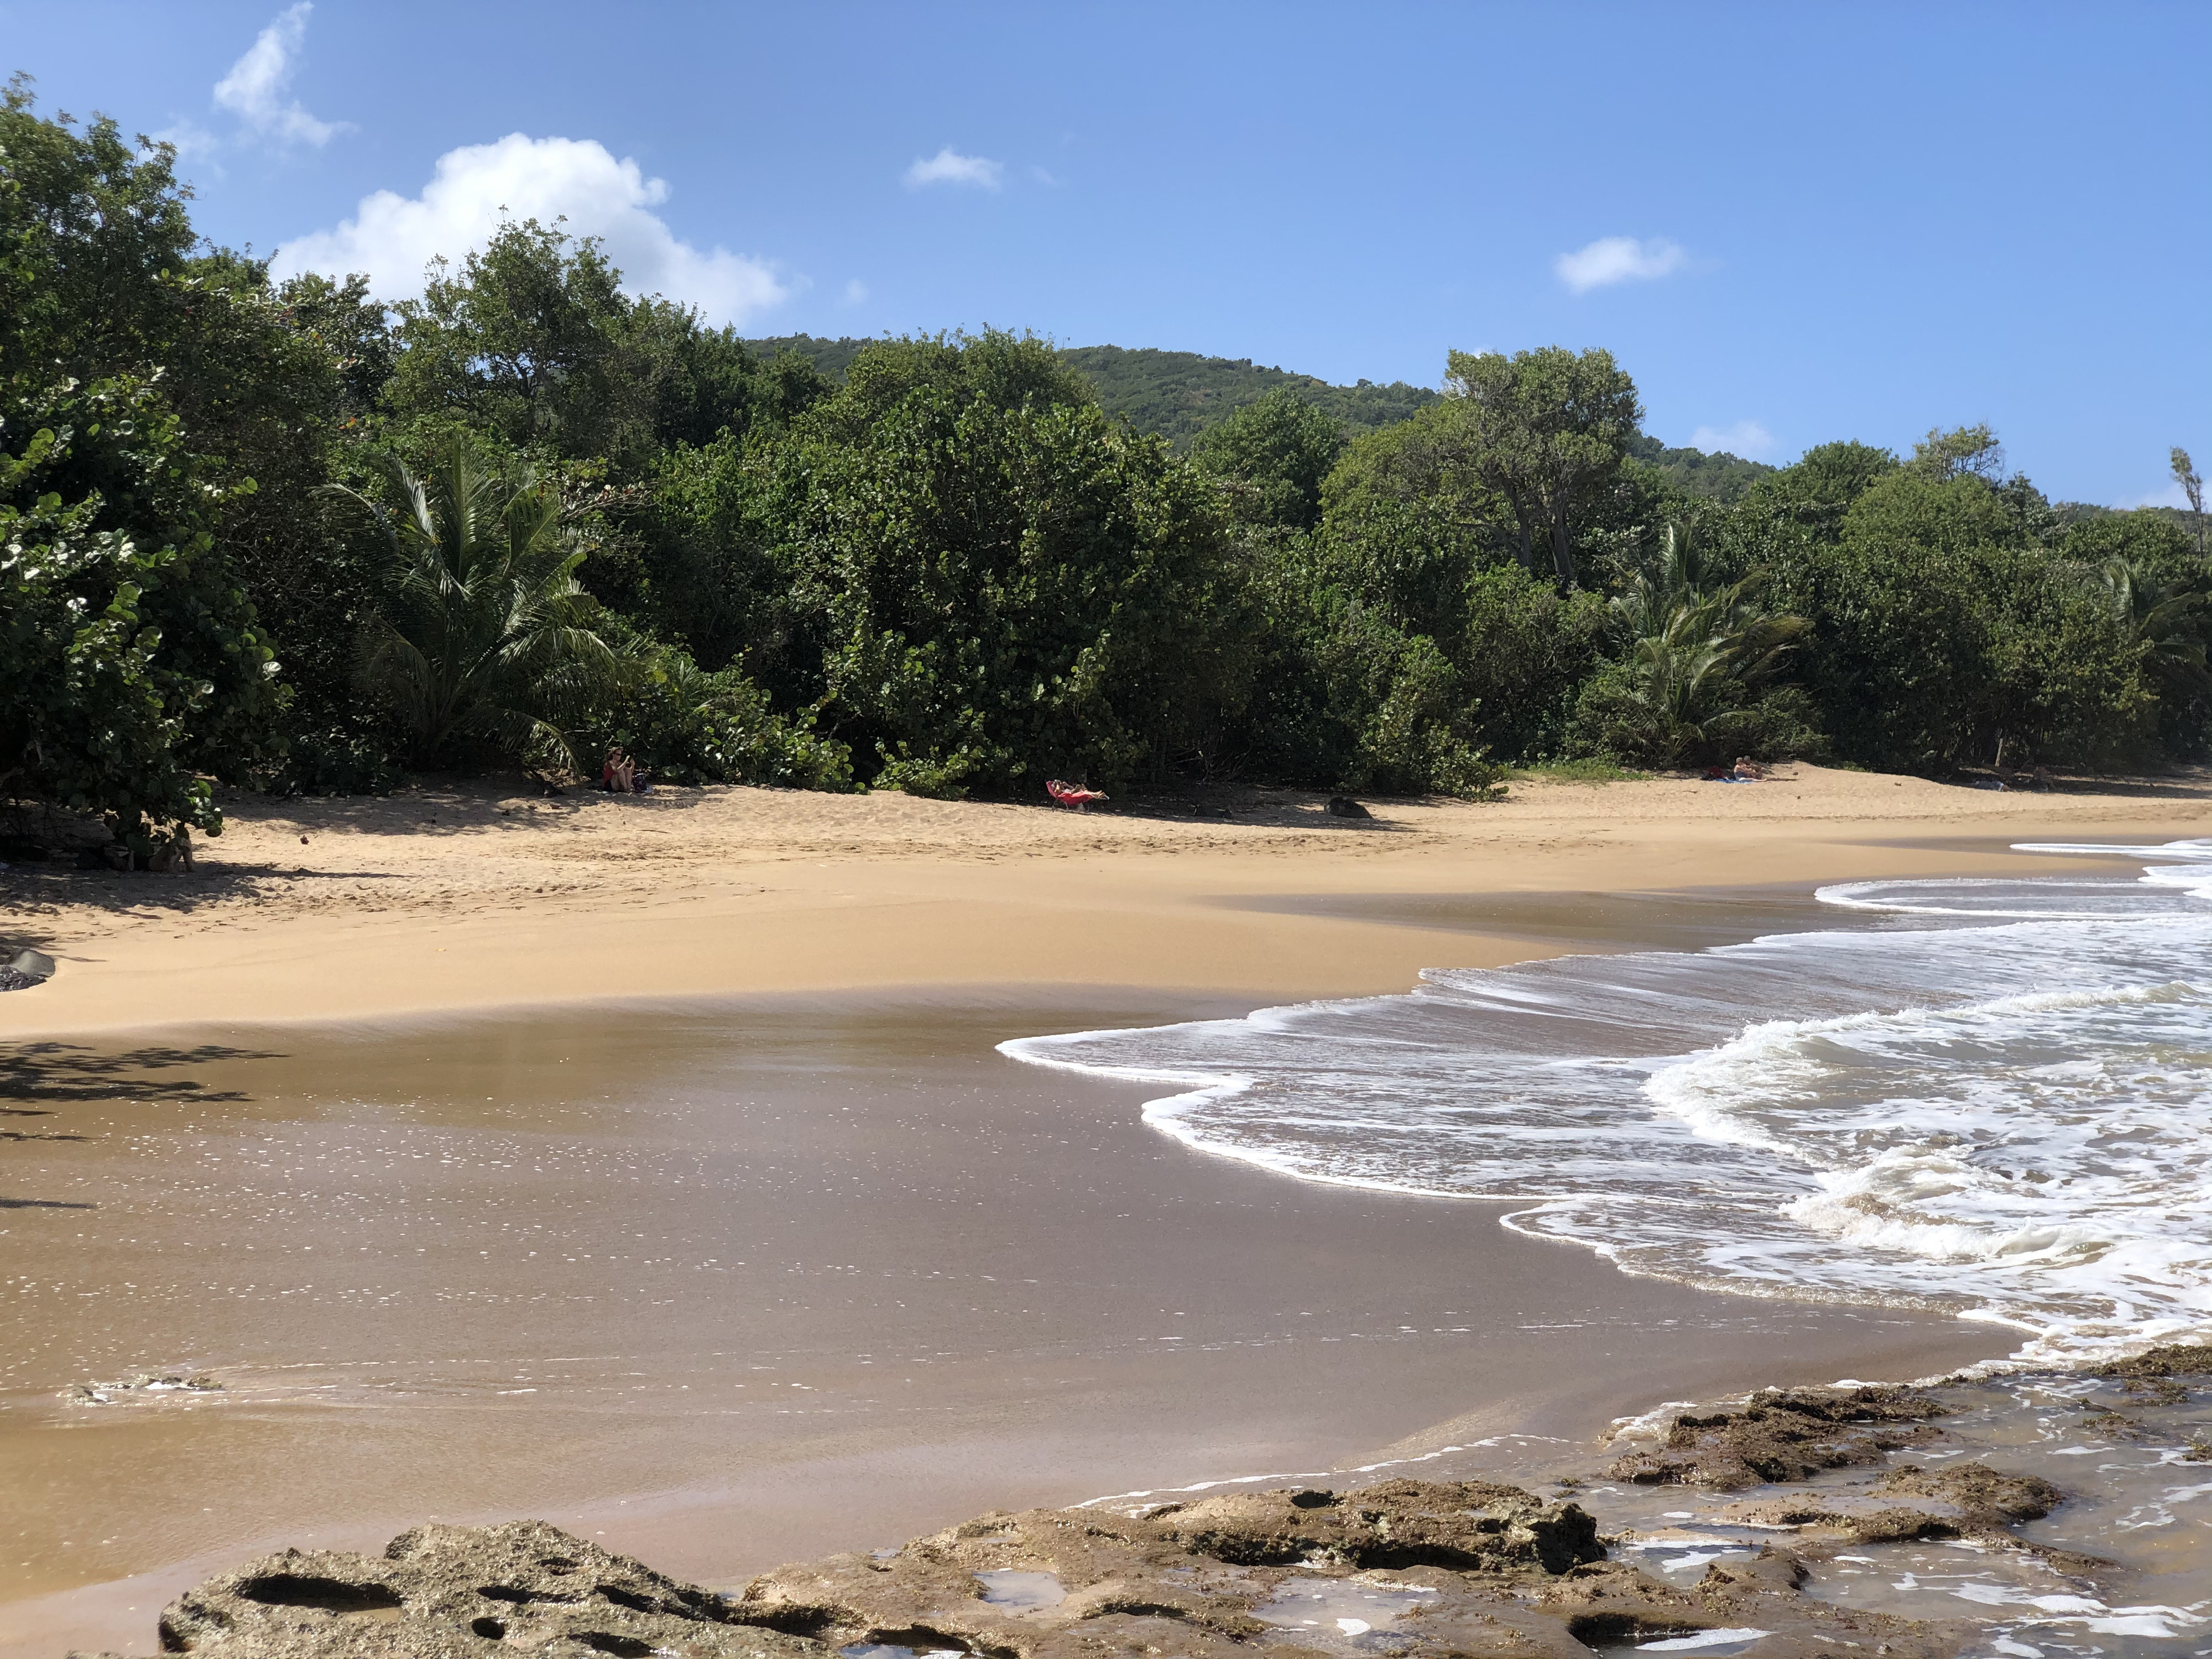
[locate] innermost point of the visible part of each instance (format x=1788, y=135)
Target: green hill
x=1719, y=475
x=1175, y=394
x=1178, y=394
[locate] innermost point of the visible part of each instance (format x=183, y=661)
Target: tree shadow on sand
x=58, y=1074
x=68, y=1073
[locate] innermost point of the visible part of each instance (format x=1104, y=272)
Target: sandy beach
x=647, y=1165
x=469, y=897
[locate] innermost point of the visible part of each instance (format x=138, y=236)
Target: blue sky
x=1790, y=223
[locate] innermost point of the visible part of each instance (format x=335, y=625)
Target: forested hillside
x=1174, y=395
x=288, y=537
x=1178, y=395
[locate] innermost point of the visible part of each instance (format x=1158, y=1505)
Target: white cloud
x=949, y=167
x=393, y=238
x=190, y=140
x=2169, y=496
x=856, y=292
x=1745, y=438
x=1619, y=259
x=256, y=87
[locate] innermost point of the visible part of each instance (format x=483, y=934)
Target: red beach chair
x=1071, y=794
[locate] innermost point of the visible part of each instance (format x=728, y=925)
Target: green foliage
x=1180, y=394
x=1176, y=395
x=133, y=661
x=1718, y=477
x=1271, y=458
x=533, y=340
x=482, y=640
x=947, y=563
x=1583, y=769
x=684, y=725
x=1008, y=586
x=1696, y=684
x=1543, y=431
x=128, y=658
x=1943, y=629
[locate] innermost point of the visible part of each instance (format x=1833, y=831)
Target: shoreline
x=465, y=898
x=1169, y=884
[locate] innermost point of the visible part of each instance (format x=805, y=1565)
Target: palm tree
x=2162, y=619
x=483, y=639
x=1698, y=649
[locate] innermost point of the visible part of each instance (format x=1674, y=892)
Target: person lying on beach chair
x=1071, y=794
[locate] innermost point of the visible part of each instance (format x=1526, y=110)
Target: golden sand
x=468, y=895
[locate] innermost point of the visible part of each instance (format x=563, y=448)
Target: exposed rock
x=1977, y=1492
x=1470, y=1525
x=1785, y=1434
x=1343, y=806
x=2175, y=1360
x=441, y=1591
x=1426, y=1571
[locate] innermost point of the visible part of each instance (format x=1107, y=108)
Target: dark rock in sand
x=1785, y=1434
x=1343, y=806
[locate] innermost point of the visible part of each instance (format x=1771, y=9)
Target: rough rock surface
x=439, y=1591
x=1421, y=1569
x=2175, y=1360
x=1785, y=1434
x=1975, y=1491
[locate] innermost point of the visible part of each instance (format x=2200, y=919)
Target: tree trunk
x=1563, y=553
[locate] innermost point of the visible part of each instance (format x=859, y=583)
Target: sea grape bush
x=941, y=565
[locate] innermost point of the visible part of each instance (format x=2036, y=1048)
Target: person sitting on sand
x=618, y=776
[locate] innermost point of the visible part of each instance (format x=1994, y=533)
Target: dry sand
x=444, y=898
x=751, y=1208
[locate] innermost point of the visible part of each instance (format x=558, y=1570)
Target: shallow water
x=1992, y=1097
x=721, y=1285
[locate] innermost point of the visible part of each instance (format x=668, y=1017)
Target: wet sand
x=725, y=1285
x=727, y=1281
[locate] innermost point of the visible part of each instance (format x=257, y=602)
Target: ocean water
x=1991, y=1098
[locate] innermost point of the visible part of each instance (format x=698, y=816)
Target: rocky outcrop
x=1427, y=1571
x=1785, y=1434
x=446, y=1592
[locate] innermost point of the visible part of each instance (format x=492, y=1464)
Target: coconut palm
x=2165, y=621
x=1699, y=653
x=483, y=640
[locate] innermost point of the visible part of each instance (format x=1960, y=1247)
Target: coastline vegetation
x=283, y=535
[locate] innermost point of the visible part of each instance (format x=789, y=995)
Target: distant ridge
x=1178, y=394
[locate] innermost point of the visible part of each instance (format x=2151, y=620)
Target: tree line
x=283, y=535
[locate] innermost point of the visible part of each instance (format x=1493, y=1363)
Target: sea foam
x=1990, y=1097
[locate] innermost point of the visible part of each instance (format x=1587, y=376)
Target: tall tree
x=132, y=661
x=1271, y=456
x=1546, y=430
x=2192, y=490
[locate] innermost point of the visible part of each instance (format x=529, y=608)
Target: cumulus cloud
x=393, y=238
x=856, y=292
x=1748, y=439
x=1613, y=259
x=257, y=90
x=950, y=167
